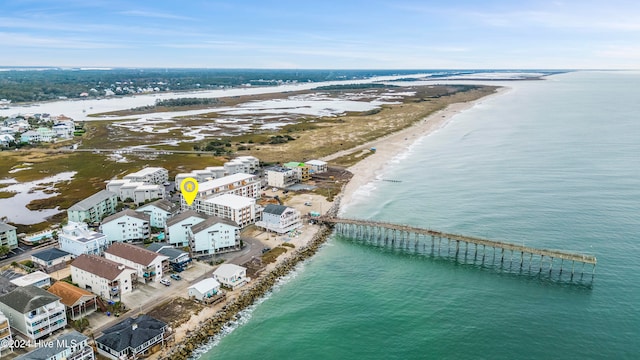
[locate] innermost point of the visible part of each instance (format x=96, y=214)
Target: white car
x=165, y=282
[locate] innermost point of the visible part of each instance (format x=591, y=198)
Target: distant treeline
x=355, y=86
x=27, y=85
x=178, y=103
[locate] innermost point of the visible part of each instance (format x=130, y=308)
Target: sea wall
x=211, y=327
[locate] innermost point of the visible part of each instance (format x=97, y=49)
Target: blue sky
x=344, y=34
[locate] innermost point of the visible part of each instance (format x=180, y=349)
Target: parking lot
x=5, y=280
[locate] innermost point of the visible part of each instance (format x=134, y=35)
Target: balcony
x=85, y=353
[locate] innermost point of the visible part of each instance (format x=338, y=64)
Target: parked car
x=176, y=277
x=266, y=249
x=165, y=282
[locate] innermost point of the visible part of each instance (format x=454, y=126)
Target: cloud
x=8, y=39
x=156, y=15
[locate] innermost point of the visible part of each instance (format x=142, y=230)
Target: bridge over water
x=462, y=247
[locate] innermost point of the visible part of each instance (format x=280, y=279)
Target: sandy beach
x=392, y=145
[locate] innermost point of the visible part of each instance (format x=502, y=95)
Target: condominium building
x=6, y=339
x=159, y=211
x=76, y=239
x=94, y=208
x=281, y=177
x=33, y=312
x=214, y=236
x=246, y=185
x=102, y=277
x=239, y=209
x=148, y=264
x=8, y=236
x=149, y=175
x=127, y=225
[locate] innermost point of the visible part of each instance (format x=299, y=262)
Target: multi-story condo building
x=127, y=225
x=33, y=312
x=238, y=184
x=177, y=228
x=159, y=211
x=149, y=175
x=213, y=236
x=94, y=208
x=239, y=209
x=76, y=239
x=242, y=164
x=148, y=264
x=102, y=277
x=6, y=339
x=136, y=191
x=281, y=177
x=8, y=236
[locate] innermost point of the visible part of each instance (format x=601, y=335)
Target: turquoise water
x=550, y=164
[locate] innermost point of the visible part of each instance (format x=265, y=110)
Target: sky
x=322, y=34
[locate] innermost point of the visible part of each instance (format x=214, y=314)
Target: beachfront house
x=77, y=239
x=149, y=265
x=78, y=302
x=178, y=260
x=214, y=236
x=102, y=277
x=231, y=275
x=301, y=169
x=51, y=260
x=6, y=339
x=8, y=236
x=127, y=225
x=36, y=278
x=159, y=211
x=281, y=177
x=239, y=209
x=70, y=346
x=94, y=208
x=279, y=219
x=33, y=312
x=317, y=166
x=177, y=227
x=204, y=289
x=131, y=338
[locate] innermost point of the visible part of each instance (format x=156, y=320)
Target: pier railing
x=430, y=241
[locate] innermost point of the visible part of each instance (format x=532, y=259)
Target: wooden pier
x=461, y=247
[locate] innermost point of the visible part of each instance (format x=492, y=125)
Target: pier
x=463, y=248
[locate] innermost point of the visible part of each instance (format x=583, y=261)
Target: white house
x=36, y=278
x=204, y=289
x=148, y=264
x=63, y=130
x=102, y=277
x=94, y=208
x=177, y=227
x=8, y=236
x=6, y=339
x=239, y=209
x=317, y=166
x=30, y=136
x=159, y=211
x=33, y=312
x=280, y=219
x=231, y=275
x=46, y=134
x=137, y=191
x=213, y=236
x=127, y=225
x=281, y=177
x=149, y=175
x=77, y=239
x=131, y=338
x=6, y=139
x=71, y=346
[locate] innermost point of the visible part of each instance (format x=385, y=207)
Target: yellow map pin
x=189, y=190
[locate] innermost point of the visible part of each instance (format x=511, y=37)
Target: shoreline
x=210, y=321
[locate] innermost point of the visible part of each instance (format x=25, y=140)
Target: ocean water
x=552, y=164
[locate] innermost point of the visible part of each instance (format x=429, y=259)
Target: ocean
x=551, y=164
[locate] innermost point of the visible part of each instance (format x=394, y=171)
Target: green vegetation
x=271, y=255
x=355, y=87
x=288, y=245
x=4, y=250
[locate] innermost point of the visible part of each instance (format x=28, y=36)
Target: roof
x=205, y=285
x=278, y=169
x=31, y=278
x=69, y=294
x=167, y=250
x=232, y=200
x=127, y=212
x=185, y=215
x=57, y=345
x=162, y=204
x=226, y=180
x=27, y=298
x=146, y=171
x=133, y=253
x=274, y=209
x=93, y=200
x=50, y=254
x=210, y=221
x=6, y=227
x=316, y=162
x=228, y=270
x=124, y=335
x=293, y=164
x=99, y=266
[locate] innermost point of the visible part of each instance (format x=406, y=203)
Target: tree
x=4, y=250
